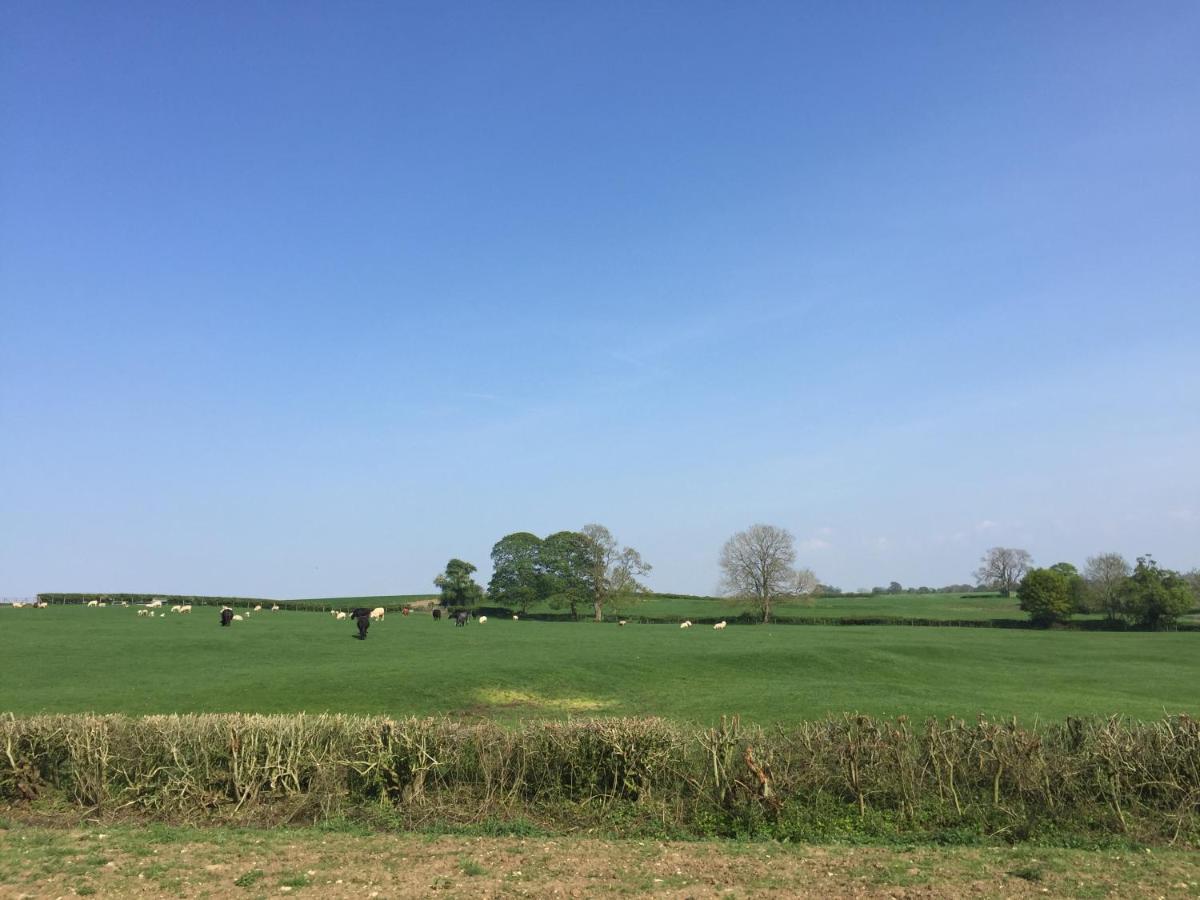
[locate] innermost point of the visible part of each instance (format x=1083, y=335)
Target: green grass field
x=73, y=659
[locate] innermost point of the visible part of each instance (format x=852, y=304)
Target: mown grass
x=73, y=659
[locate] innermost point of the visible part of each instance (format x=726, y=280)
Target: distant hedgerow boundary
x=844, y=777
x=236, y=602
x=747, y=617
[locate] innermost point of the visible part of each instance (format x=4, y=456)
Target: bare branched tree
x=1105, y=574
x=806, y=582
x=614, y=569
x=1002, y=569
x=758, y=564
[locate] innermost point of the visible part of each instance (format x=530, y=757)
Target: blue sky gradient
x=304, y=299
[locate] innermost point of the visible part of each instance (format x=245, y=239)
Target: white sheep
x=155, y=603
x=102, y=603
x=377, y=614
x=41, y=604
x=17, y=604
x=275, y=607
x=176, y=609
x=514, y=618
x=145, y=612
x=258, y=608
x=185, y=609
x=238, y=618
x=720, y=626
x=93, y=603
x=482, y=620
x=339, y=615
x=686, y=624
x=621, y=622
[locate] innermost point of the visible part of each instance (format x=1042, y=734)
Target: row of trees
x=573, y=569
x=1144, y=595
x=567, y=569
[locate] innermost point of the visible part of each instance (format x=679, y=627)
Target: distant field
x=351, y=602
x=73, y=659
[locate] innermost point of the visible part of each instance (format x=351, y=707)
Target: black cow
x=226, y=616
x=437, y=613
x=362, y=617
x=460, y=618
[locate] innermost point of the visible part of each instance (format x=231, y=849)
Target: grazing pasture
x=74, y=659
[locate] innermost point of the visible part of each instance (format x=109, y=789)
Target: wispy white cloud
x=813, y=544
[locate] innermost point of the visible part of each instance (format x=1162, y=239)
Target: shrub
x=1046, y=595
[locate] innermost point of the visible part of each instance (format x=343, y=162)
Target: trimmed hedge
x=844, y=776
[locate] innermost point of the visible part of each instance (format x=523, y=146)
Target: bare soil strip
x=124, y=861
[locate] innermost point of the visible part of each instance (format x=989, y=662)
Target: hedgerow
x=844, y=776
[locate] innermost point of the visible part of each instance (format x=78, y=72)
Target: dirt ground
x=158, y=862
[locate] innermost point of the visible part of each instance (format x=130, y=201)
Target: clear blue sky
x=303, y=299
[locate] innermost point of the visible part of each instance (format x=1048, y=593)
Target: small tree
x=614, y=569
x=1105, y=575
x=1154, y=597
x=1076, y=586
x=1002, y=568
x=457, y=585
x=757, y=564
x=1045, y=595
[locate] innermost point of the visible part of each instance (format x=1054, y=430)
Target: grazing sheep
x=720, y=626
x=226, y=615
x=687, y=624
x=185, y=609
x=437, y=614
x=145, y=612
x=621, y=622
x=482, y=620
x=41, y=604
x=258, y=608
x=238, y=618
x=17, y=604
x=460, y=618
x=275, y=607
x=102, y=603
x=339, y=615
x=362, y=617
x=155, y=603
x=377, y=613
x=514, y=618
x=125, y=603
x=93, y=603
x=176, y=608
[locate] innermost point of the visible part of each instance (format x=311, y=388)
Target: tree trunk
x=598, y=606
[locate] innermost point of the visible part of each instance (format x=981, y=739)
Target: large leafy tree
x=516, y=571
x=1154, y=597
x=566, y=570
x=1002, y=568
x=1046, y=595
x=613, y=570
x=457, y=585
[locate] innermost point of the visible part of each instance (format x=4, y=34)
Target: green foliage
x=516, y=571
x=1045, y=594
x=1154, y=597
x=567, y=568
x=457, y=586
x=1077, y=589
x=249, y=879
